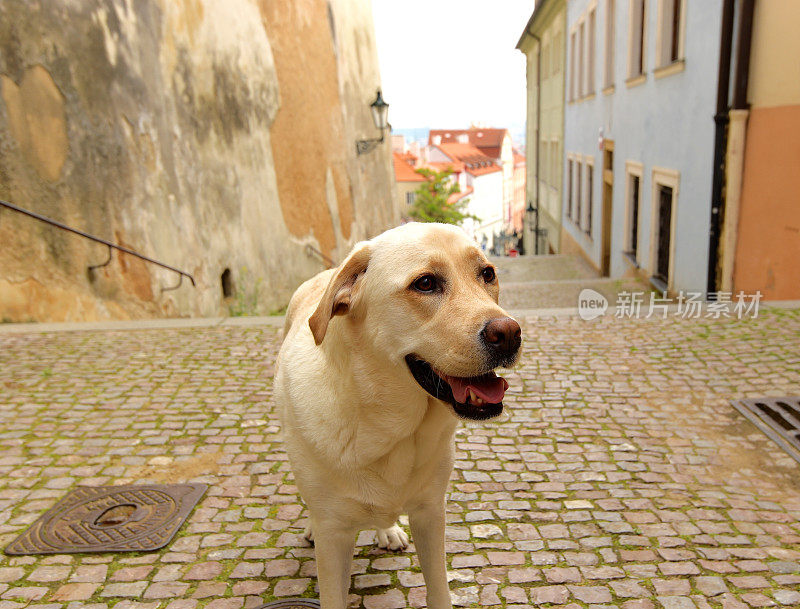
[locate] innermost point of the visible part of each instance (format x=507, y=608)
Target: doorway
x=608, y=200
x=664, y=232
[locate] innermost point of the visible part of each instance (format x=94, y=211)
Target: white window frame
x=555, y=144
x=411, y=196
x=671, y=178
x=610, y=38
x=581, y=58
x=591, y=43
x=579, y=191
x=632, y=34
x=555, y=53
x=570, y=185
x=633, y=169
x=664, y=33
x=573, y=64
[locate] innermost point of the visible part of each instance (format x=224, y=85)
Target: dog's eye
x=488, y=274
x=426, y=283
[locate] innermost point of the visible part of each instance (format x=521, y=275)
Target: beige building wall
x=208, y=134
x=402, y=189
x=774, y=78
x=507, y=163
x=549, y=53
x=761, y=236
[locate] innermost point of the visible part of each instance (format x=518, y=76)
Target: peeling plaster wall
x=208, y=134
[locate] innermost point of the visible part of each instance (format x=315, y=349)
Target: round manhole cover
x=292, y=603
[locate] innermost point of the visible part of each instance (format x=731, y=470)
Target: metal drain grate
x=132, y=518
x=292, y=603
x=779, y=418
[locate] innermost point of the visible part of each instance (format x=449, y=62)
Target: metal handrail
x=311, y=250
x=110, y=245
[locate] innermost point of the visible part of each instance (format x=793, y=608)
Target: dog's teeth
x=479, y=401
x=472, y=396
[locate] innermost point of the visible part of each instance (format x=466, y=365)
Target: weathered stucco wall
x=549, y=27
x=208, y=134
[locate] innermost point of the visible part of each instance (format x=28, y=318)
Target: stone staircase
x=554, y=282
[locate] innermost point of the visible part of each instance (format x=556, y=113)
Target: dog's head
x=425, y=297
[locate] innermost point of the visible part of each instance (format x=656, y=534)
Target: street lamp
x=532, y=216
x=380, y=116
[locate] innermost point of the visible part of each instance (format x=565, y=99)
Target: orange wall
x=768, y=247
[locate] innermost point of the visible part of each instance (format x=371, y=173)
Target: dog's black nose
x=502, y=336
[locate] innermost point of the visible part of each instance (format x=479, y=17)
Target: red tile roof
x=490, y=151
x=403, y=169
x=457, y=196
x=456, y=166
x=489, y=141
x=475, y=162
x=519, y=160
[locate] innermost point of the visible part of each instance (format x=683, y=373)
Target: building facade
x=543, y=43
x=483, y=180
x=760, y=245
x=407, y=181
x=516, y=214
x=495, y=143
x=639, y=131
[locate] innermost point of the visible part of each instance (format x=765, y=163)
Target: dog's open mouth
x=475, y=397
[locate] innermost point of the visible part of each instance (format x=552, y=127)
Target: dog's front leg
x=333, y=548
x=427, y=528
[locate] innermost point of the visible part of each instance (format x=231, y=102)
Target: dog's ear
x=336, y=299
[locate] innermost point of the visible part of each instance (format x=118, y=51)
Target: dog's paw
x=393, y=538
x=309, y=534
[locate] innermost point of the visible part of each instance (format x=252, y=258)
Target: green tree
x=431, y=203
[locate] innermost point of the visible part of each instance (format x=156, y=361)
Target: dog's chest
x=413, y=465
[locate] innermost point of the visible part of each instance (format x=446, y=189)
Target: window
x=554, y=163
x=570, y=187
x=582, y=59
x=579, y=194
x=590, y=42
x=411, y=197
x=555, y=53
x=587, y=226
x=608, y=76
x=636, y=34
x=543, y=164
x=633, y=199
x=227, y=283
x=670, y=31
x=573, y=66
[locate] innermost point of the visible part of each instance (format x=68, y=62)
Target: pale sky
x=449, y=63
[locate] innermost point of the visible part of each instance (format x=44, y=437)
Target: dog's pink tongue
x=490, y=389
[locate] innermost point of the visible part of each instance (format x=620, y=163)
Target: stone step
x=542, y=268
x=562, y=293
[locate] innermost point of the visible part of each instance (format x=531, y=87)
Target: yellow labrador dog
x=381, y=357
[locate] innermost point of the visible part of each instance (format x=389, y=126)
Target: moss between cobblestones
x=577, y=418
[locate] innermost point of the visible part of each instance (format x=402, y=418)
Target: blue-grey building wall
x=665, y=122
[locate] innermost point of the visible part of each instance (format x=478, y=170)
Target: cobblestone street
x=619, y=475
x=553, y=282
